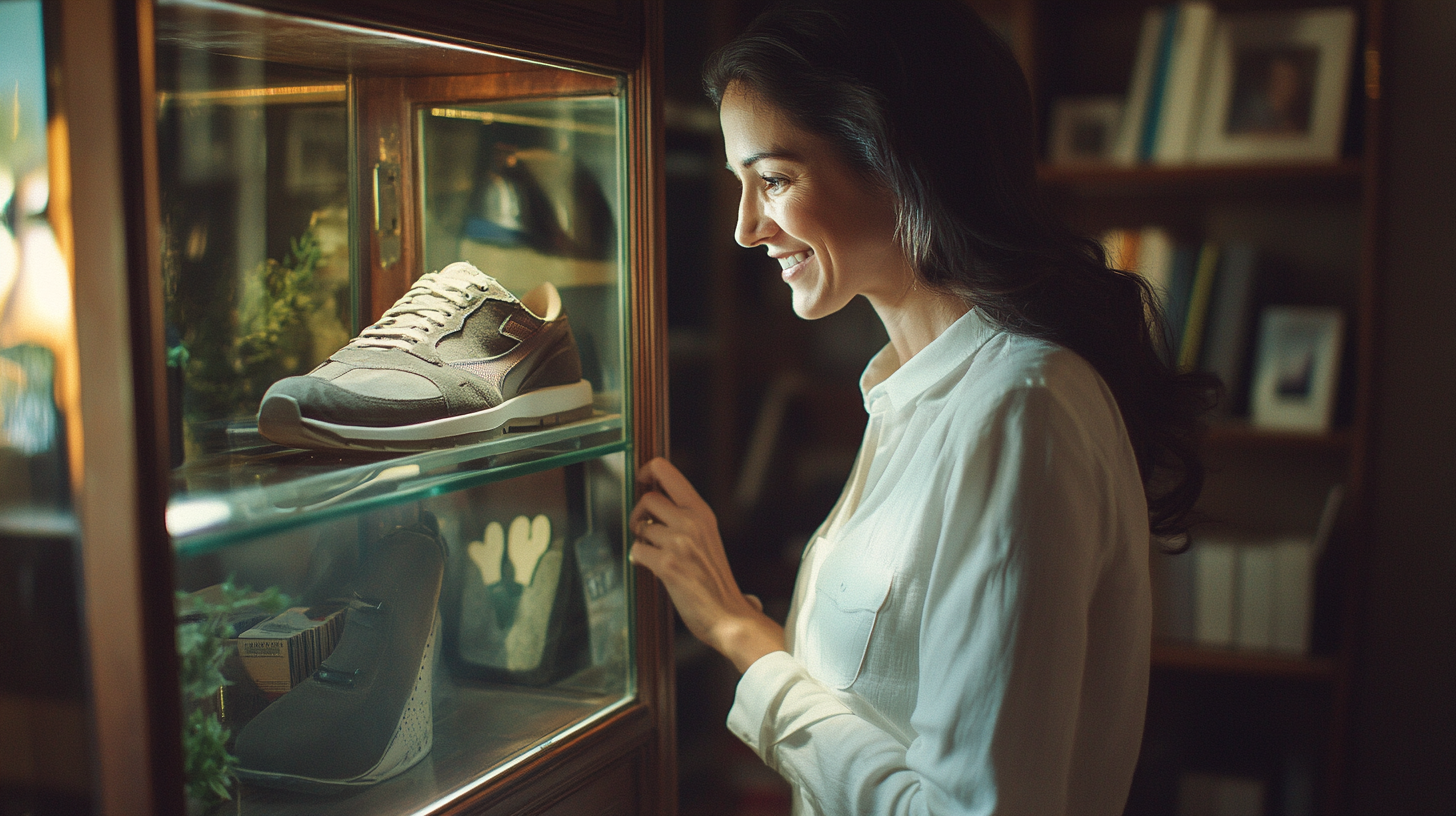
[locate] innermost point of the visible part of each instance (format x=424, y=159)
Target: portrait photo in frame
x=1083, y=129
x=1297, y=368
x=1278, y=87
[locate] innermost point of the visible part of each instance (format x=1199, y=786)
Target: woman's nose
x=753, y=225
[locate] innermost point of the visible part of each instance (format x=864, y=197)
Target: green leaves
x=202, y=648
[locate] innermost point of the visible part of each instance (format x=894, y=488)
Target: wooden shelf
x=1202, y=180
x=1242, y=435
x=1187, y=657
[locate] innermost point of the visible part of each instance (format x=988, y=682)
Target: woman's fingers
x=645, y=556
x=661, y=509
x=665, y=477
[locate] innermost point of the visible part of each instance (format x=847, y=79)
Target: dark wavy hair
x=924, y=99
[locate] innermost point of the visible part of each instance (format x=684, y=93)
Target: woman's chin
x=810, y=306
x=806, y=305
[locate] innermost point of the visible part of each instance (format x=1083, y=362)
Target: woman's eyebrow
x=775, y=153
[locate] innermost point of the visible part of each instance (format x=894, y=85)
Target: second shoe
x=457, y=359
x=366, y=714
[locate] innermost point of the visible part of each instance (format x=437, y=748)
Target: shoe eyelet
x=337, y=677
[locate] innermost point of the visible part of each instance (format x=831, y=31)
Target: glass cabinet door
x=395, y=311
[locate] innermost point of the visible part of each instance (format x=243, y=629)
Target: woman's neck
x=918, y=317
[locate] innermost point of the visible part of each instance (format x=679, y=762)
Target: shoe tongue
x=465, y=273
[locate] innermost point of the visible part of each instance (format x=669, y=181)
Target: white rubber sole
x=281, y=421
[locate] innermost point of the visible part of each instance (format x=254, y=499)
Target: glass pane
x=371, y=607
x=254, y=182
x=530, y=193
x=43, y=685
x=473, y=626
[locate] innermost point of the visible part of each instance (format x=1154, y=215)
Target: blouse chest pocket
x=849, y=594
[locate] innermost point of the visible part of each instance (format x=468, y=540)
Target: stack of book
x=1248, y=592
x=1164, y=94
x=282, y=651
x=1207, y=292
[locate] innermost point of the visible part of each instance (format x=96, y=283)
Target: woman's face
x=832, y=232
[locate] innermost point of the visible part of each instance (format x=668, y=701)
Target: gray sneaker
x=456, y=360
x=366, y=714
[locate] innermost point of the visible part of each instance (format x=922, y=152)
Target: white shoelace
x=428, y=305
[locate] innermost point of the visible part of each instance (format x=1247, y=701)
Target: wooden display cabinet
x=238, y=190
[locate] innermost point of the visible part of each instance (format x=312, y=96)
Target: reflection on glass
x=529, y=192
x=42, y=689
x=255, y=233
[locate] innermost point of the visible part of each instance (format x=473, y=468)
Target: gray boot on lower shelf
x=365, y=715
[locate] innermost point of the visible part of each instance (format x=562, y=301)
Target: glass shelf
x=520, y=723
x=236, y=496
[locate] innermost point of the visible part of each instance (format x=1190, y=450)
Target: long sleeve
x=1006, y=670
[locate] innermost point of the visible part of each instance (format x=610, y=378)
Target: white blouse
x=970, y=628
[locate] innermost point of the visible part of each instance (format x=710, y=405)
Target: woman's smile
x=792, y=265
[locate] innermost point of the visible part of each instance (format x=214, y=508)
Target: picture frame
x=1083, y=130
x=1297, y=368
x=1277, y=87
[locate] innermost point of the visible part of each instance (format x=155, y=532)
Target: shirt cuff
x=776, y=697
x=758, y=688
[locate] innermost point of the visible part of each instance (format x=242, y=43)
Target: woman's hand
x=677, y=538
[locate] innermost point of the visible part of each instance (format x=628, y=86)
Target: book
x=1127, y=146
x=1293, y=562
x=1198, y=304
x=1225, y=350
x=1254, y=607
x=1153, y=113
x=1207, y=794
x=1181, y=268
x=1183, y=81
x=1215, y=570
x=1155, y=258
x=1172, y=577
x=1122, y=247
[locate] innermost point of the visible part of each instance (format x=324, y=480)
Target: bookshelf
x=1068, y=185
x=1180, y=657
x=1274, y=719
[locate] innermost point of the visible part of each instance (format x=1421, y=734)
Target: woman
x=969, y=632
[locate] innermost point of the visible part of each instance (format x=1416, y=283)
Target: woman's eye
x=772, y=182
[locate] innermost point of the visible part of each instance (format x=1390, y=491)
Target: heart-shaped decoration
x=487, y=553
x=526, y=543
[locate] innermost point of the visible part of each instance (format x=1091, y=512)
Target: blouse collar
x=886, y=380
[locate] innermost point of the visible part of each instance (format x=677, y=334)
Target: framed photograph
x=1277, y=87
x=1297, y=367
x=1083, y=129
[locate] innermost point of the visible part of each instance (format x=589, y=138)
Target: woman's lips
x=790, y=265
